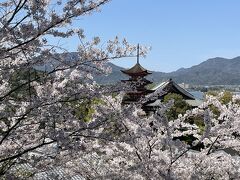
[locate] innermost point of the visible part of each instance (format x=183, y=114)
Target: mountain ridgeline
x=215, y=71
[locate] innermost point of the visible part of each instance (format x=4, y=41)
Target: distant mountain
x=215, y=71
x=117, y=76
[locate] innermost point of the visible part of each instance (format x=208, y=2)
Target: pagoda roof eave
x=144, y=80
x=137, y=74
x=137, y=69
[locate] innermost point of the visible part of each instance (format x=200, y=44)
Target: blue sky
x=182, y=33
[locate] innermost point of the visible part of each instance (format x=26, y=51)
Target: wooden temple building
x=138, y=83
x=167, y=87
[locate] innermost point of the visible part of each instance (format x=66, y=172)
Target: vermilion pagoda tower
x=138, y=82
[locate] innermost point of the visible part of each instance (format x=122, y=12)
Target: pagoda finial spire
x=138, y=53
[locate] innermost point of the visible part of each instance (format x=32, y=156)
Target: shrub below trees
x=179, y=107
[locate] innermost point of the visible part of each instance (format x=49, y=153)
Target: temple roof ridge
x=136, y=69
x=172, y=84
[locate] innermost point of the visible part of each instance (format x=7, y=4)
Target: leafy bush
x=226, y=98
x=180, y=105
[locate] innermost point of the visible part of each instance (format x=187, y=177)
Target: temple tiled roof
x=171, y=87
x=137, y=69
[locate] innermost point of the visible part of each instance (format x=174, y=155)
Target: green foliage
x=114, y=128
x=114, y=95
x=151, y=86
x=180, y=106
x=226, y=98
x=214, y=110
x=189, y=138
x=85, y=110
x=197, y=120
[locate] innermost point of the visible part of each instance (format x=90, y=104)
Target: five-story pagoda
x=137, y=82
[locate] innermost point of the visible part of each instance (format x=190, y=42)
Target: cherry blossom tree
x=42, y=122
x=153, y=147
x=40, y=109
